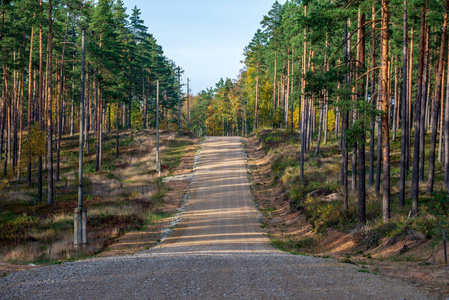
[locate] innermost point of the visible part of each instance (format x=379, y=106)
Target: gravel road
x=217, y=251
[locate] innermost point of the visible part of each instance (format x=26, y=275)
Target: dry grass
x=120, y=197
x=321, y=178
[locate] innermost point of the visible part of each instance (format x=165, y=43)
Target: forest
x=40, y=43
x=361, y=75
x=361, y=87
x=71, y=67
x=343, y=110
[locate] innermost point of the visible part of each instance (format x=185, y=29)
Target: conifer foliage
x=40, y=81
x=365, y=73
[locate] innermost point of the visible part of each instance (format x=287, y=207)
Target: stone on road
x=218, y=250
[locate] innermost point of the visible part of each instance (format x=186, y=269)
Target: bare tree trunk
x=384, y=101
x=109, y=117
x=101, y=102
x=422, y=136
x=5, y=100
x=326, y=96
x=373, y=89
x=274, y=86
x=144, y=100
x=8, y=126
x=415, y=174
x=317, y=149
x=345, y=126
x=303, y=141
x=39, y=115
x=436, y=109
x=409, y=105
x=129, y=105
x=117, y=136
x=403, y=172
x=361, y=211
x=50, y=104
x=20, y=120
x=292, y=126
x=72, y=112
x=256, y=106
x=446, y=134
x=440, y=126
x=30, y=102
x=287, y=94
x=61, y=85
x=396, y=100
x=98, y=126
x=379, y=144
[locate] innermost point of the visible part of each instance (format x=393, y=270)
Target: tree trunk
x=5, y=98
x=98, y=127
x=101, y=102
x=384, y=102
x=403, y=172
x=20, y=121
x=317, y=149
x=422, y=134
x=415, y=174
x=379, y=144
x=61, y=85
x=144, y=102
x=117, y=137
x=40, y=105
x=30, y=103
x=129, y=105
x=373, y=89
x=436, y=109
x=446, y=133
x=256, y=111
x=303, y=143
x=50, y=105
x=361, y=211
x=409, y=105
x=396, y=100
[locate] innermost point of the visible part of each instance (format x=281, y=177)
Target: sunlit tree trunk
x=361, y=211
x=384, y=102
x=373, y=89
x=30, y=105
x=40, y=105
x=50, y=105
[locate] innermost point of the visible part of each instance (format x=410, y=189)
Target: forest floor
x=127, y=204
x=304, y=217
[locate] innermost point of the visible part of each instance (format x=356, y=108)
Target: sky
x=205, y=38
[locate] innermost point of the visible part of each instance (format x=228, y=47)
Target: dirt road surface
x=218, y=251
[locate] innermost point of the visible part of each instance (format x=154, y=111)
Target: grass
x=291, y=245
x=321, y=178
x=285, y=246
x=117, y=200
x=171, y=158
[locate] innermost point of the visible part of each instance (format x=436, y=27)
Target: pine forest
x=342, y=108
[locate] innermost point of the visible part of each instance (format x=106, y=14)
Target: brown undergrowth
x=305, y=217
x=127, y=204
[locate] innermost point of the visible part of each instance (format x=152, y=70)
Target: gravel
x=217, y=251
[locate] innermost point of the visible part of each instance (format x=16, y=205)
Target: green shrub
x=15, y=227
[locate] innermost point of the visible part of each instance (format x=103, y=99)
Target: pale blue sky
x=205, y=37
